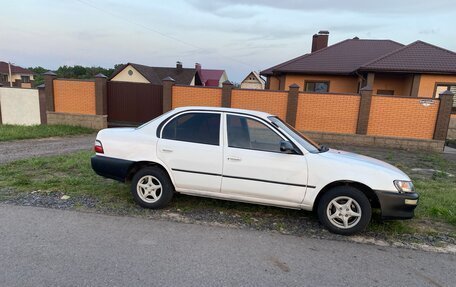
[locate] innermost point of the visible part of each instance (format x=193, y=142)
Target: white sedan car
x=252, y=157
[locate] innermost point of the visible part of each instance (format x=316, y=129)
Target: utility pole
x=10, y=76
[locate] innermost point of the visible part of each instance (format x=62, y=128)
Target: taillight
x=98, y=147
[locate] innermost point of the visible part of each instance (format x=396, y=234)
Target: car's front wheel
x=152, y=188
x=344, y=210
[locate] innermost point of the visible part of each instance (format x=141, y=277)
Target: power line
x=156, y=31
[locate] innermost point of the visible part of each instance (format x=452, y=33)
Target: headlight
x=404, y=186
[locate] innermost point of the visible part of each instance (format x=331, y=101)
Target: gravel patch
x=21, y=149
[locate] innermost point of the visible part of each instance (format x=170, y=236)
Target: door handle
x=167, y=150
x=233, y=158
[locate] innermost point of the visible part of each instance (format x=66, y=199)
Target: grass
x=72, y=175
x=18, y=132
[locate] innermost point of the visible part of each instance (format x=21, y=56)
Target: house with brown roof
x=418, y=69
x=137, y=73
x=15, y=76
x=197, y=76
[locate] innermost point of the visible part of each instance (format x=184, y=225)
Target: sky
x=237, y=36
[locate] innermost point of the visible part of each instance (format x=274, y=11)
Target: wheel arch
x=136, y=166
x=366, y=190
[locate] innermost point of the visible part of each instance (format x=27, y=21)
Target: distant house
x=20, y=77
x=154, y=75
x=388, y=67
x=211, y=77
x=197, y=76
x=253, y=81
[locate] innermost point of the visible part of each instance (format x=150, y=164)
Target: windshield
x=304, y=141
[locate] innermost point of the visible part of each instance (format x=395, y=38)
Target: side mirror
x=287, y=147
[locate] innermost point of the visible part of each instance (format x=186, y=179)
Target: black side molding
x=244, y=178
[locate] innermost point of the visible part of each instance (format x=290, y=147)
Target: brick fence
x=76, y=102
x=363, y=118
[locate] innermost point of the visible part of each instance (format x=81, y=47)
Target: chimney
x=320, y=40
x=197, y=66
x=179, y=66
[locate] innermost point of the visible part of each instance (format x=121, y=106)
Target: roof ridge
x=387, y=55
x=212, y=69
x=256, y=74
x=435, y=46
x=146, y=75
x=406, y=47
x=306, y=55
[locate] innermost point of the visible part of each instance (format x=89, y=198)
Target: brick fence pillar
x=292, y=104
x=49, y=78
x=364, y=110
x=42, y=103
x=443, y=116
x=227, y=88
x=168, y=84
x=101, y=94
x=1, y=85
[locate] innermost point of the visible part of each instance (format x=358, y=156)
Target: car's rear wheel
x=344, y=210
x=152, y=188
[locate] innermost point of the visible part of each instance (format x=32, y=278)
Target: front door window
x=248, y=133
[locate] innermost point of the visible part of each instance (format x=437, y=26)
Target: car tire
x=152, y=188
x=339, y=215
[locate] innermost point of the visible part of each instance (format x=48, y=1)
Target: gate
x=133, y=103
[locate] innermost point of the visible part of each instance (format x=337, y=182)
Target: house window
x=4, y=78
x=316, y=86
x=385, y=92
x=440, y=88
x=25, y=79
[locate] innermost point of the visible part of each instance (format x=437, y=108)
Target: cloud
x=374, y=7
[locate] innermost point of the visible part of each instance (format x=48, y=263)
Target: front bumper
x=397, y=205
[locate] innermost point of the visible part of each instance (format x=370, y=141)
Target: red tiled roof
x=14, y=69
x=418, y=57
x=211, y=77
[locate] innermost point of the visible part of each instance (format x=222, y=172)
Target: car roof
x=228, y=110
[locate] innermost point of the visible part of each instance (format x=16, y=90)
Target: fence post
x=1, y=85
x=42, y=103
x=292, y=104
x=227, y=88
x=443, y=116
x=49, y=78
x=101, y=94
x=364, y=110
x=168, y=84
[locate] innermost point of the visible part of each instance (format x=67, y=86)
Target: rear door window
x=203, y=128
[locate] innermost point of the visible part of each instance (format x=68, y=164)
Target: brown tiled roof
x=341, y=58
x=14, y=69
x=155, y=75
x=418, y=57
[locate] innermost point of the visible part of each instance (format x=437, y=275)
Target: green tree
x=73, y=72
x=38, y=77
